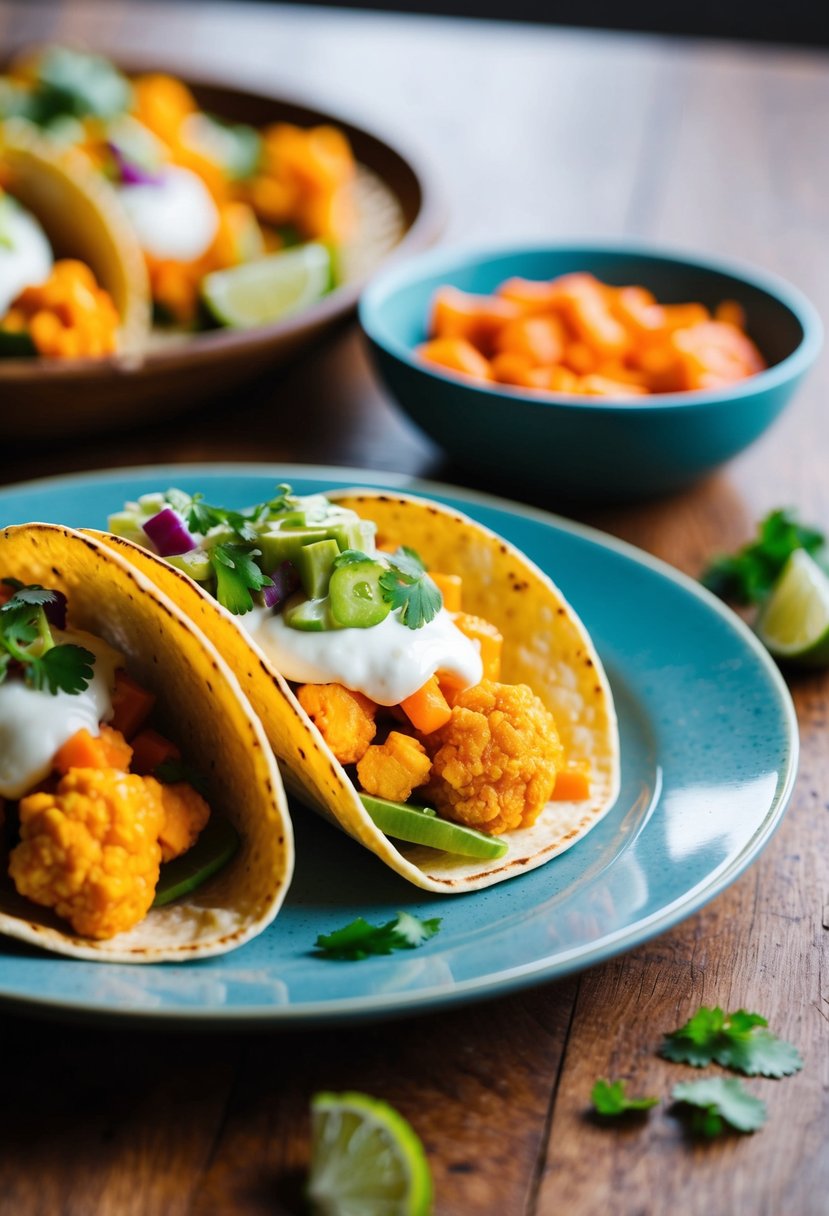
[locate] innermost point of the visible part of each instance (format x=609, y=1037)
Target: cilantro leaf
x=720, y=1101
x=64, y=668
x=738, y=1040
x=33, y=595
x=358, y=939
x=407, y=587
x=747, y=576
x=202, y=516
x=609, y=1098
x=237, y=574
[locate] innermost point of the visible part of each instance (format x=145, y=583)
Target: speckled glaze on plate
x=709, y=754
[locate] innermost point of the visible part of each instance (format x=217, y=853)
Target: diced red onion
x=132, y=174
x=55, y=610
x=285, y=582
x=167, y=532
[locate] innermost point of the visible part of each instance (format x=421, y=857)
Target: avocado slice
x=421, y=825
x=216, y=845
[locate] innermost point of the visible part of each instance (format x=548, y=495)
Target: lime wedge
x=366, y=1160
x=270, y=288
x=794, y=622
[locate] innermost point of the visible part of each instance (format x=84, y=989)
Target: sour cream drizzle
x=35, y=723
x=174, y=218
x=25, y=252
x=386, y=662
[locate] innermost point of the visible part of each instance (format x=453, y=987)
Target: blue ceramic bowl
x=588, y=448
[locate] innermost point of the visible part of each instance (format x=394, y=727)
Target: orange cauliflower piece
x=185, y=815
x=90, y=849
x=494, y=763
x=393, y=769
x=345, y=719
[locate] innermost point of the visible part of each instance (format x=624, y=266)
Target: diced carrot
x=427, y=709
x=540, y=339
x=457, y=355
x=580, y=358
x=730, y=313
x=510, y=368
x=149, y=749
x=458, y=314
x=451, y=686
x=715, y=353
x=490, y=641
x=450, y=587
x=681, y=316
x=603, y=386
x=83, y=750
x=572, y=782
x=132, y=705
x=531, y=296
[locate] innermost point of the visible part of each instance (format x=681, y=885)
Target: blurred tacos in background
x=68, y=254
x=401, y=637
x=145, y=816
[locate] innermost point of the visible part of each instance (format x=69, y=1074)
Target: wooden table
x=532, y=132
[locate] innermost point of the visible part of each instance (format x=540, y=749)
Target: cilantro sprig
x=740, y=1041
x=201, y=516
x=26, y=640
x=408, y=588
x=747, y=576
x=610, y=1099
x=719, y=1102
x=359, y=939
x=237, y=574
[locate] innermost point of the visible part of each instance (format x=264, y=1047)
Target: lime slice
x=270, y=288
x=366, y=1160
x=794, y=622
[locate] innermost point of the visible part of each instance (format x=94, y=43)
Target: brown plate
x=399, y=215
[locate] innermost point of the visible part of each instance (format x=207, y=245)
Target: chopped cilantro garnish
x=720, y=1101
x=26, y=639
x=237, y=574
x=747, y=576
x=609, y=1098
x=200, y=516
x=736, y=1040
x=407, y=587
x=359, y=939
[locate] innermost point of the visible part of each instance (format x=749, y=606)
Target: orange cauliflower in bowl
x=494, y=763
x=90, y=849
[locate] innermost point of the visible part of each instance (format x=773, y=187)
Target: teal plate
x=709, y=753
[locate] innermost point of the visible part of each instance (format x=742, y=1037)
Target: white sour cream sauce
x=26, y=261
x=35, y=723
x=386, y=662
x=174, y=218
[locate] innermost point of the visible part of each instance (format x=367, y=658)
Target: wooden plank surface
x=532, y=132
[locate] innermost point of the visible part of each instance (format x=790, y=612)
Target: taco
x=53, y=205
x=422, y=683
x=145, y=819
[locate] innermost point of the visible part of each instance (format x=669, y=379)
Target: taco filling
x=95, y=801
x=401, y=678
x=142, y=815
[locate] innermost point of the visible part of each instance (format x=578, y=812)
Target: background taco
x=545, y=647
x=199, y=705
x=83, y=221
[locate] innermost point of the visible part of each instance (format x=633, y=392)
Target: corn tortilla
x=545, y=646
x=202, y=708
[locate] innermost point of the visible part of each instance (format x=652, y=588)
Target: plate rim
x=507, y=981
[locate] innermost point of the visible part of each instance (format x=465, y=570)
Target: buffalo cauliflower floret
x=345, y=719
x=494, y=763
x=185, y=815
x=393, y=769
x=90, y=849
